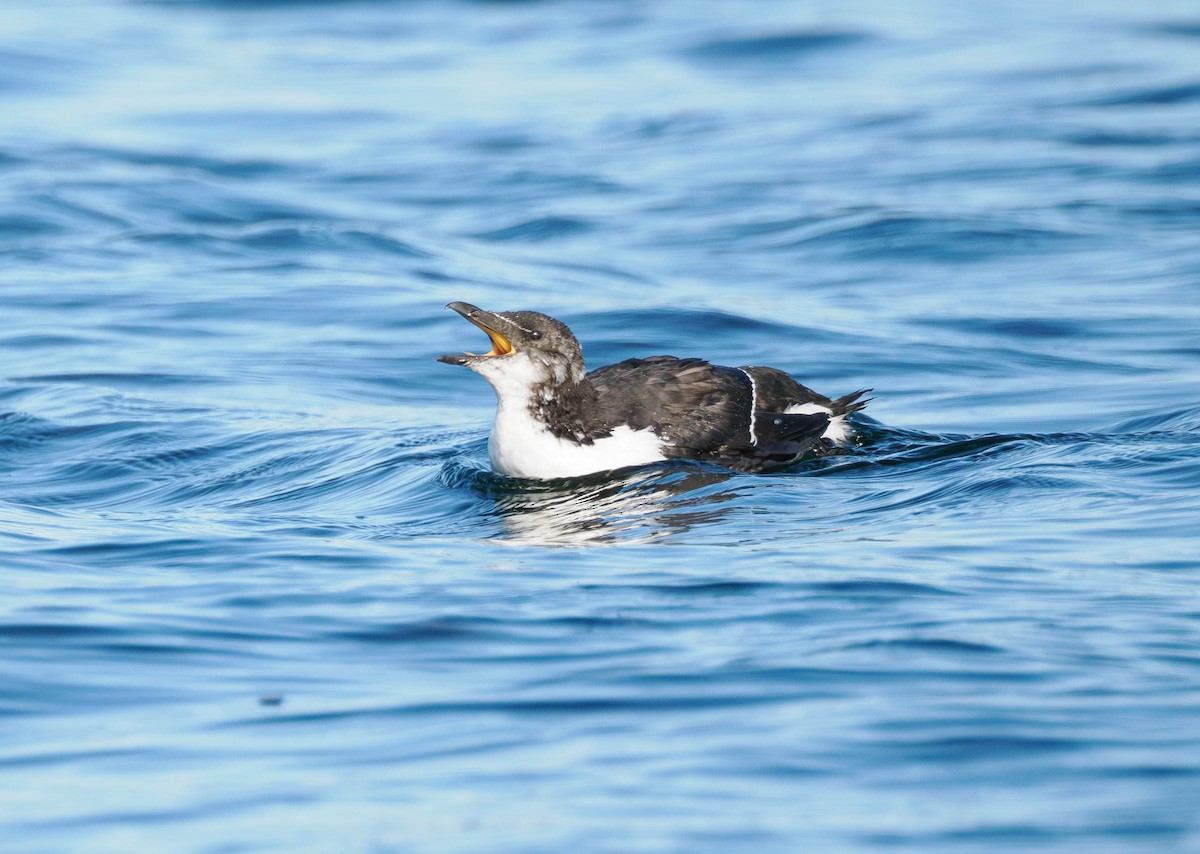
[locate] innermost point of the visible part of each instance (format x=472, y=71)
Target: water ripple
x=252, y=542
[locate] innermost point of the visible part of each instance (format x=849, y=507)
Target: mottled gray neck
x=568, y=410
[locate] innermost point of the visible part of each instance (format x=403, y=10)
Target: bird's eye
x=535, y=335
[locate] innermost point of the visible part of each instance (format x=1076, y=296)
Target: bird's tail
x=851, y=402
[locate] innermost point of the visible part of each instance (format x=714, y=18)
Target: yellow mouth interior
x=500, y=344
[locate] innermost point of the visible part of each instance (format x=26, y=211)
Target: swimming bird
x=555, y=419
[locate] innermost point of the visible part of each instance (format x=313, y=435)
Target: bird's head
x=529, y=351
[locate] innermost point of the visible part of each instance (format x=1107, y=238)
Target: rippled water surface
x=262, y=593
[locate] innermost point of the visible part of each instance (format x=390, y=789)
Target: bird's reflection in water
x=637, y=505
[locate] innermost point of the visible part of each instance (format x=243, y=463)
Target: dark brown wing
x=776, y=391
x=781, y=440
x=695, y=407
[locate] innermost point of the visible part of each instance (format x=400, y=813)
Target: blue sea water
x=262, y=593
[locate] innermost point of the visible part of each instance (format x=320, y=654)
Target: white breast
x=522, y=447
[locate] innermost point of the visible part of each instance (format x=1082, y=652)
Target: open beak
x=487, y=321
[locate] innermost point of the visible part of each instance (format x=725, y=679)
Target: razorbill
x=555, y=419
